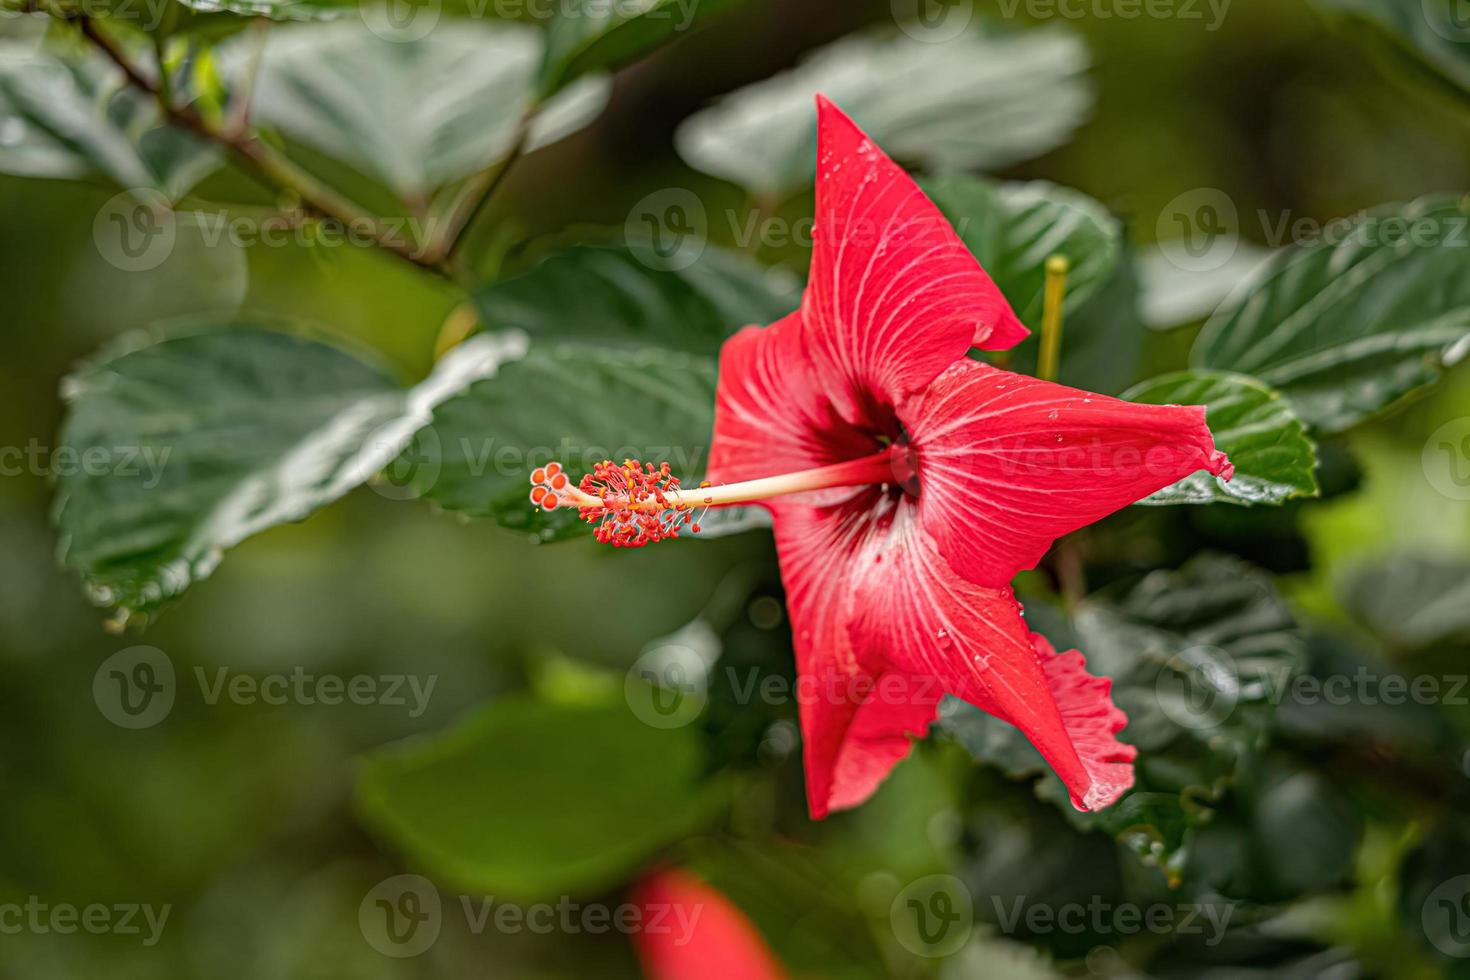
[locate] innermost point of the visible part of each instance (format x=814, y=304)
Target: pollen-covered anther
x=636, y=503
x=630, y=504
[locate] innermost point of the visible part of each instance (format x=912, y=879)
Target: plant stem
x=1051, y=318
x=475, y=193
x=263, y=159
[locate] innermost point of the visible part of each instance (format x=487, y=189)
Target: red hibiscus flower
x=908, y=485
x=689, y=931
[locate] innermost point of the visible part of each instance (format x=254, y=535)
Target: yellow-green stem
x=1051, y=318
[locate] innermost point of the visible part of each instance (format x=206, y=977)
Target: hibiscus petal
x=928, y=622
x=771, y=413
x=850, y=737
x=1008, y=464
x=894, y=296
x=688, y=926
x=1087, y=709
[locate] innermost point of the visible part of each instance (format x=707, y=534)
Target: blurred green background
x=242, y=818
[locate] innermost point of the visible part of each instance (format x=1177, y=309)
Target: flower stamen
x=633, y=504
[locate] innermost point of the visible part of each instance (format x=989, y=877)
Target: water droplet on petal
x=943, y=637
x=1053, y=415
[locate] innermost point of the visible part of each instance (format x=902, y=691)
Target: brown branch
x=263, y=159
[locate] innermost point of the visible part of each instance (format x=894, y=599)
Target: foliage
x=607, y=714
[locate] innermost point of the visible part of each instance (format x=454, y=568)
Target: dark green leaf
x=576, y=403
x=1345, y=328
x=629, y=294
x=591, y=35
x=1199, y=658
x=1412, y=603
x=179, y=448
x=1433, y=30
x=1273, y=457
x=70, y=119
x=1014, y=228
x=989, y=99
x=416, y=112
x=532, y=799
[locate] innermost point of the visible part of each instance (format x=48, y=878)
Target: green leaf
x=1345, y=328
x=178, y=448
x=73, y=119
x=572, y=402
x=1273, y=457
x=1410, y=602
x=988, y=99
x=1432, y=31
x=1173, y=296
x=415, y=113
x=277, y=10
x=591, y=35
x=1014, y=228
x=629, y=294
x=533, y=800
